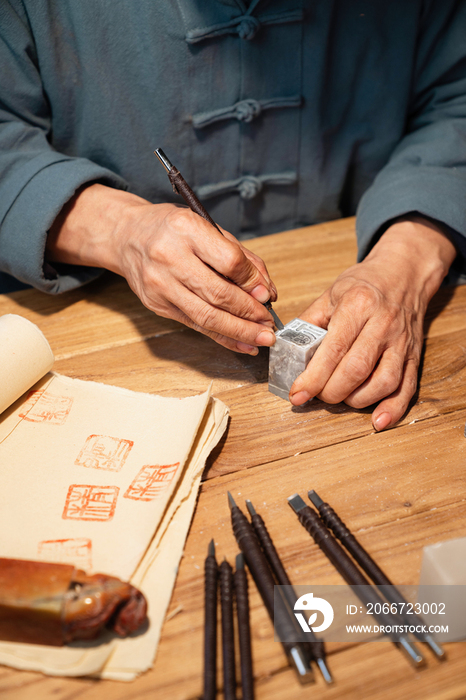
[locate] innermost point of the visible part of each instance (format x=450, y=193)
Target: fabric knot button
x=249, y=187
x=247, y=110
x=248, y=27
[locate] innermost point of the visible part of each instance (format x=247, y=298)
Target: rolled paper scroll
x=42, y=603
x=25, y=356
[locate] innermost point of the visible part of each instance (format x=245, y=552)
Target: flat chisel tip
x=296, y=502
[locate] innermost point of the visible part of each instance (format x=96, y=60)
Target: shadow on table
x=437, y=304
x=176, y=342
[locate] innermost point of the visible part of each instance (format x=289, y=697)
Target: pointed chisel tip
x=296, y=502
x=231, y=500
x=315, y=498
x=325, y=671
x=250, y=507
x=278, y=323
x=211, y=549
x=436, y=648
x=239, y=562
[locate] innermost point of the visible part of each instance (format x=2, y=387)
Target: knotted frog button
x=249, y=187
x=248, y=27
x=247, y=110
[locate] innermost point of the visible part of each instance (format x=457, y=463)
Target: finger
x=261, y=266
x=208, y=319
x=358, y=365
x=344, y=328
x=173, y=312
x=383, y=382
x=229, y=259
x=221, y=293
x=389, y=411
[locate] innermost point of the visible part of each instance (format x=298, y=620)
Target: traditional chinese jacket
x=279, y=113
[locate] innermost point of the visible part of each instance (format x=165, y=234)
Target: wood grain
x=398, y=490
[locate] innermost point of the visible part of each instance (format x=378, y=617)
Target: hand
x=374, y=315
x=176, y=263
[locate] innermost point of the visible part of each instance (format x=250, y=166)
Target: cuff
x=437, y=193
x=26, y=225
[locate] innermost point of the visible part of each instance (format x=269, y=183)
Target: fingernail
x=300, y=397
x=274, y=289
x=265, y=338
x=261, y=293
x=249, y=349
x=382, y=421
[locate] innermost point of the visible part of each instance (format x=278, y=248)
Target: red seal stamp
x=104, y=452
x=85, y=502
x=151, y=482
x=77, y=551
x=42, y=407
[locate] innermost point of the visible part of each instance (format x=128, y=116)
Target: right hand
x=175, y=262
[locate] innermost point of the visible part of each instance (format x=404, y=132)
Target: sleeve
x=35, y=180
x=426, y=173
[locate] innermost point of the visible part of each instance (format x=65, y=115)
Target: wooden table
x=398, y=491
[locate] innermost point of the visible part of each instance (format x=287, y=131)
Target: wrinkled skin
x=374, y=314
x=179, y=265
x=182, y=268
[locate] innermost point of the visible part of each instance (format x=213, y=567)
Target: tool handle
x=348, y=540
x=269, y=550
x=367, y=564
x=210, y=628
x=260, y=571
x=345, y=566
x=315, y=647
x=180, y=186
x=254, y=556
x=244, y=633
x=228, y=639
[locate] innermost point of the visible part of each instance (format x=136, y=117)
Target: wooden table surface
x=398, y=491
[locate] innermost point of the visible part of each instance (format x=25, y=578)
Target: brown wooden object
x=42, y=603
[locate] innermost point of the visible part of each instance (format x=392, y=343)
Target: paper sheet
x=106, y=479
x=25, y=356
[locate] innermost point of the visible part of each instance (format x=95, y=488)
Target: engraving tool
x=345, y=566
x=181, y=187
x=369, y=566
x=258, y=566
x=315, y=646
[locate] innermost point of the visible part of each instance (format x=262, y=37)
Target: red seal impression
x=77, y=551
x=42, y=407
x=85, y=502
x=151, y=482
x=104, y=452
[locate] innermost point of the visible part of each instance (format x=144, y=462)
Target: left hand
x=374, y=315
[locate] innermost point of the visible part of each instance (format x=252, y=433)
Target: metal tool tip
x=239, y=561
x=296, y=502
x=211, y=549
x=250, y=507
x=163, y=159
x=436, y=648
x=302, y=665
x=278, y=323
x=231, y=501
x=411, y=651
x=328, y=678
x=315, y=498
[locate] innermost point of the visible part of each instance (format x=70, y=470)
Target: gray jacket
x=279, y=113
